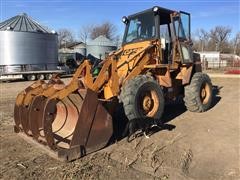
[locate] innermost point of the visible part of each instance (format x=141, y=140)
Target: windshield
x=182, y=26
x=140, y=27
x=185, y=19
x=179, y=29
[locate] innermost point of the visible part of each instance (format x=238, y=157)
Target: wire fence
x=221, y=64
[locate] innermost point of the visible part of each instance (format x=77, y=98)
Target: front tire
x=198, y=94
x=142, y=97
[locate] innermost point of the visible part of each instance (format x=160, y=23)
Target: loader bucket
x=73, y=126
x=76, y=125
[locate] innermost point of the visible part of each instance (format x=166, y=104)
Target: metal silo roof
x=101, y=41
x=23, y=23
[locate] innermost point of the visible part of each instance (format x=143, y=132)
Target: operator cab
x=166, y=25
x=140, y=27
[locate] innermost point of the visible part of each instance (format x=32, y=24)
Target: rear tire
x=198, y=94
x=142, y=97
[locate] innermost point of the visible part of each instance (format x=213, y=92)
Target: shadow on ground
x=216, y=95
x=120, y=122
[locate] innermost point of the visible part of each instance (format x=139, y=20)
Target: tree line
x=216, y=39
x=89, y=32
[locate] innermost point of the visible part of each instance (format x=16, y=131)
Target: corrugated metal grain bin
x=100, y=46
x=23, y=41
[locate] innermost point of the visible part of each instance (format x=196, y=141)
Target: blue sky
x=73, y=14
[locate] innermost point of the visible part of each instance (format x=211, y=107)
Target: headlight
x=124, y=19
x=155, y=9
x=9, y=28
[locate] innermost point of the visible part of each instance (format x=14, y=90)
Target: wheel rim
x=31, y=77
x=205, y=93
x=49, y=76
x=41, y=77
x=149, y=103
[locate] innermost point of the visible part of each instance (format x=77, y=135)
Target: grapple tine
x=24, y=110
x=36, y=110
x=35, y=117
x=48, y=118
x=23, y=116
x=17, y=114
x=23, y=99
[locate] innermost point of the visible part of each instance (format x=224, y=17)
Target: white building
x=210, y=59
x=214, y=59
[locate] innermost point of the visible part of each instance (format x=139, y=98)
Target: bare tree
x=117, y=41
x=216, y=39
x=106, y=29
x=196, y=44
x=236, y=43
x=84, y=33
x=65, y=36
x=219, y=35
x=203, y=37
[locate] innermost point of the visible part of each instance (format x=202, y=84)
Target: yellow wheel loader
x=154, y=64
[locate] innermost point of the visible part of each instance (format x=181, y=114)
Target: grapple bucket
x=73, y=126
x=69, y=120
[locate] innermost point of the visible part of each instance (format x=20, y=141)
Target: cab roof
x=163, y=12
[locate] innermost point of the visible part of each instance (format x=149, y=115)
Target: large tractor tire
x=198, y=94
x=142, y=97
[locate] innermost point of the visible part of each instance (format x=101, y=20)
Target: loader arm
x=108, y=77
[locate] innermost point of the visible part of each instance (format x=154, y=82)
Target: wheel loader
x=155, y=64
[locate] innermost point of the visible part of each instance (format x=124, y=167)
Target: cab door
x=181, y=23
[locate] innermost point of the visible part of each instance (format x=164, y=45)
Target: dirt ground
x=200, y=145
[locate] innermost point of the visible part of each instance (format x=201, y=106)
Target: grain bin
x=25, y=43
x=100, y=46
